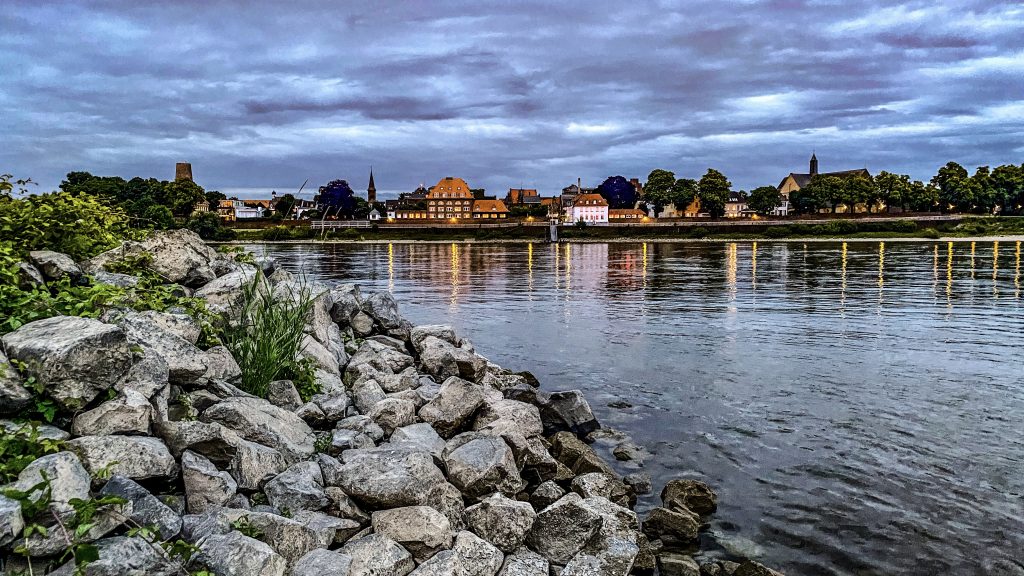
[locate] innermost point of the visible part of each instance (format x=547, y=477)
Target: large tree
x=955, y=189
x=284, y=205
x=683, y=193
x=859, y=190
x=337, y=199
x=618, y=192
x=181, y=196
x=764, y=199
x=713, y=191
x=893, y=189
x=1007, y=183
x=658, y=189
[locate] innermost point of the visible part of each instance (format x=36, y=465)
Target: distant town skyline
x=261, y=96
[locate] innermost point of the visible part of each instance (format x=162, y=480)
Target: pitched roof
x=590, y=200
x=452, y=187
x=803, y=180
x=623, y=212
x=489, y=206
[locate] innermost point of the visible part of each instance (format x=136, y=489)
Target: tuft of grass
x=268, y=335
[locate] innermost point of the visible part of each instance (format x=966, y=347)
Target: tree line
x=952, y=189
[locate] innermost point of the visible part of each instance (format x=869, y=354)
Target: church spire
x=371, y=190
x=814, y=164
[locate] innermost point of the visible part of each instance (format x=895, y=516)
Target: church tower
x=814, y=167
x=371, y=190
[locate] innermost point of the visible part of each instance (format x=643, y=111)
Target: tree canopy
x=713, y=191
x=618, y=192
x=764, y=199
x=658, y=189
x=337, y=199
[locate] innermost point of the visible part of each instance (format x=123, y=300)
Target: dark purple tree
x=337, y=199
x=618, y=192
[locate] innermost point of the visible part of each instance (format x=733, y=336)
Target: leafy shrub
x=79, y=226
x=19, y=447
x=209, y=227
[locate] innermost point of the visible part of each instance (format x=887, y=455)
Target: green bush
x=79, y=226
x=209, y=227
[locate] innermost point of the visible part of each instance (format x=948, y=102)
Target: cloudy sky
x=265, y=95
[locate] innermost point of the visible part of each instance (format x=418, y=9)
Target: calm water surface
x=857, y=406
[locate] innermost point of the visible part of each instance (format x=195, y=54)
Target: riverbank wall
x=400, y=450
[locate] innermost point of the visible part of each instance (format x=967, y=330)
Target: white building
x=590, y=208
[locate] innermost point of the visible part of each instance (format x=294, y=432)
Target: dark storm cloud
x=261, y=95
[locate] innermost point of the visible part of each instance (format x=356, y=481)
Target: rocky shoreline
x=417, y=455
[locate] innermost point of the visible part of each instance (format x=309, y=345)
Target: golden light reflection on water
x=529, y=265
x=881, y=273
x=558, y=266
x=935, y=269
x=842, y=289
x=391, y=267
x=949, y=274
x=995, y=268
x=730, y=271
x=973, y=244
x=1016, y=272
x=454, y=300
x=753, y=265
x=568, y=269
x=644, y=272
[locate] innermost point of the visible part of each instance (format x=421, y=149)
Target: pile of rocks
x=418, y=456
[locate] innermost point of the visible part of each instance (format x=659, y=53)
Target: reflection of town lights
x=646, y=219
x=529, y=218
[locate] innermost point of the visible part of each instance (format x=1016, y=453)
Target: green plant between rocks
x=267, y=337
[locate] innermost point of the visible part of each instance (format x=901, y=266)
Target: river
x=857, y=406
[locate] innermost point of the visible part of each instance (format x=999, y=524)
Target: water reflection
x=853, y=420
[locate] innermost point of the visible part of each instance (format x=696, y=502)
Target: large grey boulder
x=477, y=556
x=383, y=308
x=388, y=477
x=576, y=455
x=561, y=530
x=382, y=357
x=509, y=416
x=178, y=256
x=259, y=421
x=226, y=295
x=68, y=479
x=366, y=394
x=444, y=563
x=344, y=439
x=152, y=331
x=322, y=562
x=221, y=365
x=453, y=406
x=617, y=543
x=568, y=410
x=282, y=393
x=149, y=375
x=346, y=303
x=72, y=358
x=137, y=457
x=670, y=526
x=253, y=465
x=391, y=413
x=684, y=494
x=234, y=554
x=363, y=424
x=291, y=538
x=501, y=521
x=300, y=487
x=546, y=494
x=129, y=556
x=524, y=562
x=421, y=436
x=678, y=565
x=407, y=379
x=147, y=509
x=442, y=359
x=55, y=265
x=205, y=486
x=29, y=277
x=208, y=439
x=330, y=529
x=377, y=555
x=421, y=530
x=128, y=413
x=440, y=331
x=479, y=464
x=603, y=485
x=14, y=397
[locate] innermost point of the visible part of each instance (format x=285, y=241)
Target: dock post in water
x=553, y=232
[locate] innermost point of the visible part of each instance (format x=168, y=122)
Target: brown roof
x=622, y=212
x=590, y=200
x=803, y=180
x=489, y=206
x=452, y=187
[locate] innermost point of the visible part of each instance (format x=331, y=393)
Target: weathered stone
x=391, y=413
x=105, y=520
x=330, y=528
x=751, y=568
x=221, y=365
x=617, y=543
x=444, y=563
x=440, y=331
x=454, y=405
x=382, y=357
x=629, y=452
x=346, y=303
x=479, y=464
x=282, y=393
x=260, y=421
x=569, y=411
x=387, y=477
x=366, y=394
x=137, y=457
x=322, y=562
x=147, y=509
x=506, y=416
x=546, y=494
x=29, y=277
x=383, y=308
x=561, y=530
x=129, y=556
x=148, y=376
x=11, y=521
x=311, y=414
x=363, y=424
x=291, y=538
x=524, y=562
x=600, y=484
x=208, y=439
x=205, y=486
x=149, y=330
x=323, y=358
x=179, y=256
x=501, y=379
x=343, y=439
x=68, y=479
x=72, y=358
x=443, y=360
x=254, y=464
x=684, y=494
x=114, y=279
x=234, y=554
x=447, y=499
x=14, y=397
x=576, y=455
x=535, y=462
x=129, y=413
x=670, y=526
x=670, y=564
x=55, y=265
x=300, y=487
x=501, y=521
x=407, y=379
x=421, y=530
x=640, y=483
x=44, y=431
x=343, y=506
x=420, y=435
x=226, y=294
x=362, y=323
x=377, y=555
x=478, y=557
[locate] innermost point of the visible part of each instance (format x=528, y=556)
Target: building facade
x=489, y=210
x=450, y=198
x=797, y=180
x=589, y=208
